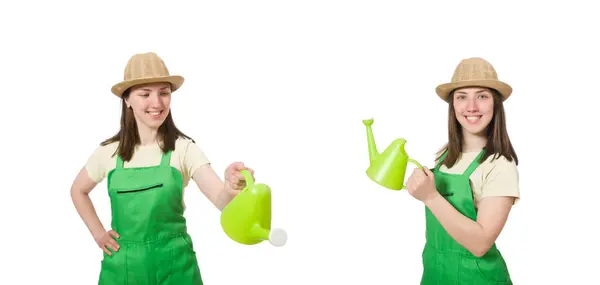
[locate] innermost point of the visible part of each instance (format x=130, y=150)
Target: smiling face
x=474, y=108
x=150, y=103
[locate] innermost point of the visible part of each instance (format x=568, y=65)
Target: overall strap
x=474, y=164
x=437, y=167
x=119, y=162
x=165, y=161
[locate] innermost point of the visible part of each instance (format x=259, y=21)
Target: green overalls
x=147, y=213
x=445, y=261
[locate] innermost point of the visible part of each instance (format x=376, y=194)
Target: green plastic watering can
x=387, y=169
x=247, y=218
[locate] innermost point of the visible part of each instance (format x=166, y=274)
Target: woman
x=147, y=164
x=470, y=192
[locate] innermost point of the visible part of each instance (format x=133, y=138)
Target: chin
x=154, y=124
x=474, y=131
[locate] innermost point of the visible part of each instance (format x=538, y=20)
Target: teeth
x=473, y=118
x=154, y=113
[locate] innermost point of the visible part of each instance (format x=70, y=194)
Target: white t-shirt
x=187, y=158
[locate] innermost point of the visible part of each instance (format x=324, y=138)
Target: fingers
x=428, y=172
x=415, y=180
x=112, y=244
x=234, y=167
x=237, y=179
x=107, y=251
x=237, y=166
x=234, y=175
x=409, y=185
x=417, y=174
x=109, y=243
x=113, y=233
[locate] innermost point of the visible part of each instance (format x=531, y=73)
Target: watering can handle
x=417, y=164
x=248, y=177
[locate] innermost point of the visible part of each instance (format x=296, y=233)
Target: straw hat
x=146, y=68
x=474, y=72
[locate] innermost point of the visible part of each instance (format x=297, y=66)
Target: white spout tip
x=277, y=237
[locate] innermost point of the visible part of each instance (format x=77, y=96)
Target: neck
x=147, y=135
x=473, y=142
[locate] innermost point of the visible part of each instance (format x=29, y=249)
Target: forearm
x=465, y=231
x=223, y=198
x=213, y=187
x=87, y=212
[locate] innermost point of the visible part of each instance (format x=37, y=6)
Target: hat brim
x=175, y=80
x=443, y=90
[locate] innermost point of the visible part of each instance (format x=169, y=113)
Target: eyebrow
x=149, y=90
x=478, y=91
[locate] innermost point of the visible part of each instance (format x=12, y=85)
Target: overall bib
x=445, y=261
x=147, y=213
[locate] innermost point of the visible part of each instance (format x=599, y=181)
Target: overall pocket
x=113, y=268
x=189, y=243
x=141, y=189
x=493, y=271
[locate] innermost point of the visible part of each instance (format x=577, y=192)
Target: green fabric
x=445, y=261
x=147, y=213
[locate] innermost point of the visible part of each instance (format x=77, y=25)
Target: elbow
x=74, y=193
x=77, y=193
x=480, y=250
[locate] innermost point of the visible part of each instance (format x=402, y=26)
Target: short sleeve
x=96, y=164
x=193, y=158
x=501, y=180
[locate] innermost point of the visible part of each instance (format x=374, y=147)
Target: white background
x=283, y=86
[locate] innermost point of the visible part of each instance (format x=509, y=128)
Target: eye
x=165, y=93
x=483, y=96
x=145, y=95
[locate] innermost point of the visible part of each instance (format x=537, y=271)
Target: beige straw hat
x=146, y=68
x=474, y=72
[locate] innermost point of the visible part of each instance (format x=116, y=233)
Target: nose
x=155, y=100
x=472, y=105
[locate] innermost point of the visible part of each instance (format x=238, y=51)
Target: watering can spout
x=373, y=154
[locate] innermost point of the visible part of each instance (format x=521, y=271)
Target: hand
x=106, y=240
x=421, y=184
x=234, y=180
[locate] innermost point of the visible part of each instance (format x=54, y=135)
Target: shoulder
x=104, y=152
x=189, y=157
x=194, y=153
x=184, y=145
x=499, y=164
x=183, y=142
x=498, y=176
x=189, y=151
x=101, y=160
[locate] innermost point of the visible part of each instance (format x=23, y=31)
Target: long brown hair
x=498, y=141
x=129, y=137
